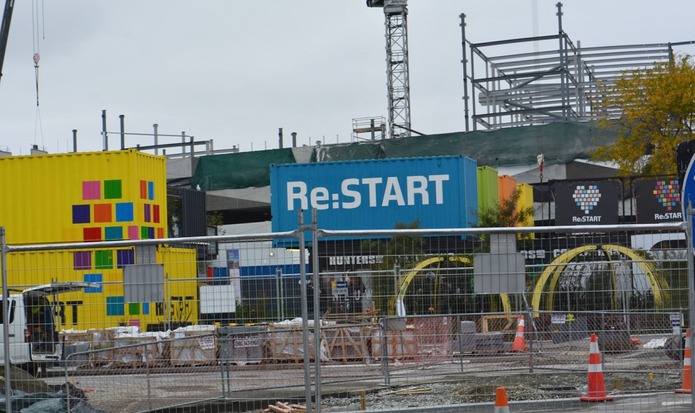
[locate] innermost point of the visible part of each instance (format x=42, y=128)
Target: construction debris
x=408, y=391
x=280, y=407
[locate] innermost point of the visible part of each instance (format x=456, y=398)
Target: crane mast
x=398, y=78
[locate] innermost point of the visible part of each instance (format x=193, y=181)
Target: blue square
x=124, y=257
x=80, y=214
x=94, y=278
x=150, y=190
x=124, y=212
x=115, y=306
x=113, y=233
x=145, y=308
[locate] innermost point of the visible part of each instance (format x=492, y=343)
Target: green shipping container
x=488, y=192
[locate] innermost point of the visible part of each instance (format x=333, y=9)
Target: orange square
x=103, y=213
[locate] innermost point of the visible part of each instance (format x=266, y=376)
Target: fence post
x=149, y=384
x=458, y=339
x=317, y=310
x=278, y=292
x=67, y=381
x=305, y=312
x=384, y=352
x=5, y=331
x=691, y=270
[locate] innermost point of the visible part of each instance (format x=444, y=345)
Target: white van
x=32, y=329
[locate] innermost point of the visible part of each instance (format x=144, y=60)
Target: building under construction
x=544, y=79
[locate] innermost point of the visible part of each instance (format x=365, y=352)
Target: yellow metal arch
x=655, y=280
x=405, y=280
x=555, y=269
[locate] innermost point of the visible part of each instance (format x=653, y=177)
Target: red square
x=91, y=234
x=103, y=213
x=155, y=214
x=143, y=189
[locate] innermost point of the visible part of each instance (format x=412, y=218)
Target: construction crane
x=398, y=77
x=5, y=30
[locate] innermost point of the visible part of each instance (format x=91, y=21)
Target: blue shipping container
x=440, y=192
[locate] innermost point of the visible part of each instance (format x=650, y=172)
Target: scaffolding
x=370, y=128
x=544, y=79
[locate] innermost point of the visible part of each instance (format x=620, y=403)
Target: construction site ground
x=540, y=377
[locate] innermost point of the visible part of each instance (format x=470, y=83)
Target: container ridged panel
x=488, y=194
x=104, y=306
x=90, y=196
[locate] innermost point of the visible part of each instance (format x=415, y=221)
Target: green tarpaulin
x=559, y=143
x=238, y=170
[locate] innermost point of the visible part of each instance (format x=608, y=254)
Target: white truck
x=32, y=332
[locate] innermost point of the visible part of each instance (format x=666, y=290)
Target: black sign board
x=684, y=153
x=586, y=203
x=658, y=200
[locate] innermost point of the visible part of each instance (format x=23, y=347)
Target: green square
x=112, y=189
x=144, y=233
x=103, y=259
x=134, y=308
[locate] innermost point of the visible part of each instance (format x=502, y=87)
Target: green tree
x=657, y=109
x=401, y=250
x=508, y=213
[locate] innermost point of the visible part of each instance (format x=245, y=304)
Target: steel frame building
x=544, y=79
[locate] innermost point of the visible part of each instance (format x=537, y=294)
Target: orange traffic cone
x=597, y=388
x=687, y=367
x=501, y=402
x=519, y=343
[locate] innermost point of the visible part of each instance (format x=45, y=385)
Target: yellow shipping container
x=525, y=201
x=88, y=196
x=105, y=306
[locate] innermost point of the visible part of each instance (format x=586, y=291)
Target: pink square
x=91, y=190
x=133, y=232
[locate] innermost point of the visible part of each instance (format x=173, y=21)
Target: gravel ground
x=481, y=389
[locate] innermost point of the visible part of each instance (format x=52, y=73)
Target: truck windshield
x=10, y=315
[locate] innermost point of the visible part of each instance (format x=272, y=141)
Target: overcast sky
x=235, y=72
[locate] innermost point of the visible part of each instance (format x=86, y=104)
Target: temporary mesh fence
x=403, y=317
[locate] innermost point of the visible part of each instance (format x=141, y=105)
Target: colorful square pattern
x=586, y=197
x=147, y=190
x=668, y=193
x=110, y=213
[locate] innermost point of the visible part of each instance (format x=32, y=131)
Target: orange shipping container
x=506, y=186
